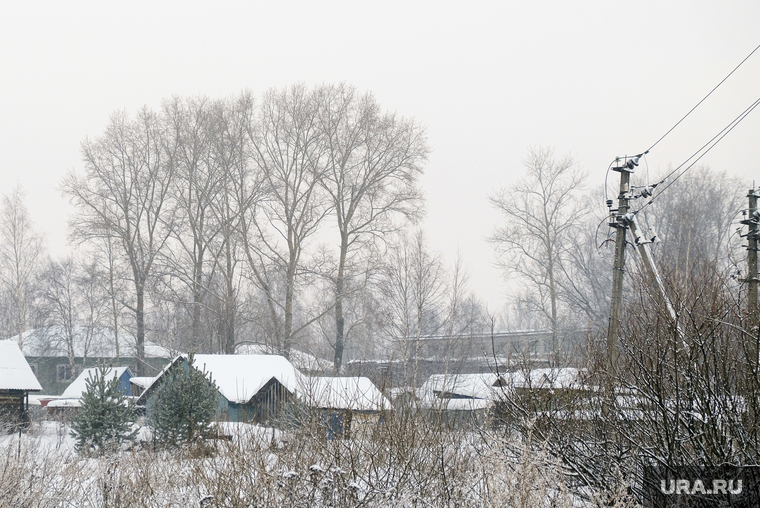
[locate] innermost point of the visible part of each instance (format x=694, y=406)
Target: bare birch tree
x=540, y=213
x=414, y=289
x=58, y=291
x=20, y=252
x=74, y=298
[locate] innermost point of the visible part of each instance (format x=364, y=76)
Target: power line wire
x=715, y=140
x=704, y=98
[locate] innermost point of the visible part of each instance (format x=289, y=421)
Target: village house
x=16, y=381
x=462, y=398
x=64, y=406
x=250, y=388
x=345, y=404
x=79, y=386
x=268, y=389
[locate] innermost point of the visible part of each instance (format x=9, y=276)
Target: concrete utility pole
x=642, y=246
x=618, y=270
x=752, y=279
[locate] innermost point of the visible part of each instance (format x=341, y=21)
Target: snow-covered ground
x=404, y=463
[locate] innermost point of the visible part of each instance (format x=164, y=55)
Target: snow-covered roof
x=240, y=377
x=89, y=341
x=486, y=386
x=142, y=381
x=566, y=377
x=456, y=404
x=300, y=359
x=355, y=393
x=79, y=385
x=15, y=373
x=63, y=403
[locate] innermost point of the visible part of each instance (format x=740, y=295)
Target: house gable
x=249, y=387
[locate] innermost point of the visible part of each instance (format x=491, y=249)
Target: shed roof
x=79, y=385
x=142, y=381
x=548, y=378
x=15, y=373
x=486, y=386
x=355, y=393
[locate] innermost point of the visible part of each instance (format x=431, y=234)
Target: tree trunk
x=229, y=305
x=140, y=318
x=340, y=284
x=288, y=325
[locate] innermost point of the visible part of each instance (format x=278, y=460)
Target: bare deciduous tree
x=540, y=213
x=240, y=191
x=373, y=162
x=20, y=251
x=288, y=150
x=58, y=292
x=693, y=220
x=414, y=289
x=74, y=298
x=124, y=195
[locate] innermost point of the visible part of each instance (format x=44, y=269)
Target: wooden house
x=463, y=398
x=16, y=381
x=250, y=388
x=69, y=402
x=345, y=404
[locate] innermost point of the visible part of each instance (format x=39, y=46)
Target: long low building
x=48, y=350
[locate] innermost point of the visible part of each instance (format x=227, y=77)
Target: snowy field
x=404, y=463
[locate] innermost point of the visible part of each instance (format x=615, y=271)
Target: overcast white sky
x=594, y=79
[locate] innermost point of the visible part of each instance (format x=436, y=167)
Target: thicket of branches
x=683, y=392
x=213, y=223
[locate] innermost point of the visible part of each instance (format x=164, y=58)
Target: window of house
x=64, y=374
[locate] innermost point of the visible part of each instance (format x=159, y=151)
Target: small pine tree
x=184, y=407
x=106, y=417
